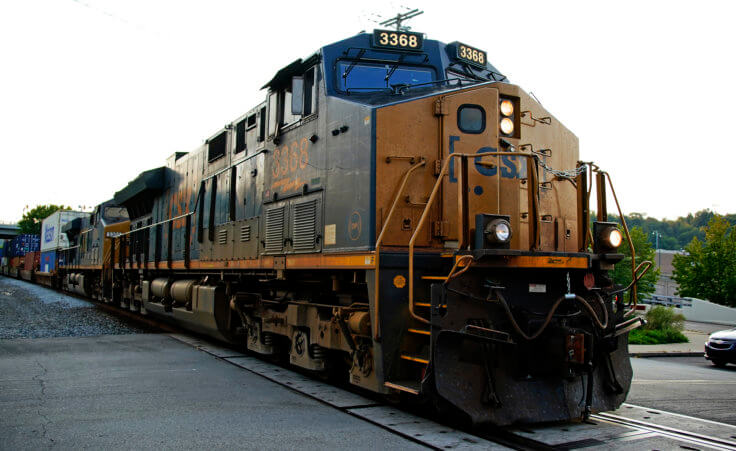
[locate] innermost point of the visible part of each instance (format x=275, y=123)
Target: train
x=395, y=213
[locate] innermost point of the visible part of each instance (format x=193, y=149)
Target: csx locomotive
x=397, y=212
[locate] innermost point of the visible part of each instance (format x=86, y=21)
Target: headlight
x=507, y=126
x=507, y=108
x=498, y=231
x=607, y=237
x=613, y=237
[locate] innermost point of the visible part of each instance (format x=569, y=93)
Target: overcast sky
x=92, y=92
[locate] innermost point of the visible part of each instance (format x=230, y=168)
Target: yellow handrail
x=379, y=240
x=531, y=168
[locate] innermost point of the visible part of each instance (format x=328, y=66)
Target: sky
x=93, y=92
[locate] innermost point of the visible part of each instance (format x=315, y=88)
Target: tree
x=708, y=269
x=643, y=251
x=31, y=222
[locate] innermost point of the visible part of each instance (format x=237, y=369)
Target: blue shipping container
x=23, y=244
x=48, y=261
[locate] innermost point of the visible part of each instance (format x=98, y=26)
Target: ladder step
x=427, y=304
x=412, y=358
x=406, y=386
x=420, y=331
x=434, y=277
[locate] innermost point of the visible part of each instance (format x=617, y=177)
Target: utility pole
x=656, y=247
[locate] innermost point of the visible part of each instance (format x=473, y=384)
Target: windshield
x=366, y=76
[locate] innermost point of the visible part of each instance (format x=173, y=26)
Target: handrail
x=462, y=210
x=379, y=240
x=631, y=245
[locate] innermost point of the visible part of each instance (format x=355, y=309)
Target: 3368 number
x=471, y=54
x=398, y=40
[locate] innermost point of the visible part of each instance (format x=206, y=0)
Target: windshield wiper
x=353, y=63
x=399, y=88
x=393, y=69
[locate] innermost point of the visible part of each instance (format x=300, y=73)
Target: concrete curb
x=666, y=354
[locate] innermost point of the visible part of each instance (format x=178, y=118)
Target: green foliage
x=708, y=270
x=664, y=325
x=674, y=234
x=656, y=337
x=643, y=251
x=31, y=222
x=664, y=318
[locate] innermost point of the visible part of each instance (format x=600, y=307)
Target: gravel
x=33, y=311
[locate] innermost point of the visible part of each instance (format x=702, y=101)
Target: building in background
x=665, y=286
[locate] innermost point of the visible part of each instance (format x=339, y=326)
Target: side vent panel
x=305, y=226
x=244, y=233
x=275, y=222
x=222, y=237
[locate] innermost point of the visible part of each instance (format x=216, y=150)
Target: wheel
x=718, y=363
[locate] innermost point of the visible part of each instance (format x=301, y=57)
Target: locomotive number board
x=471, y=55
x=404, y=40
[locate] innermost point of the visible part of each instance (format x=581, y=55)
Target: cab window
x=471, y=119
x=288, y=105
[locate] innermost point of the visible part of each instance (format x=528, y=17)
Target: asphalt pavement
x=149, y=391
x=686, y=385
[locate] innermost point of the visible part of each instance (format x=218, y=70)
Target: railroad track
x=699, y=440
x=629, y=427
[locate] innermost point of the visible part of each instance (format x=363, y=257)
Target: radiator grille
x=275, y=229
x=244, y=233
x=222, y=237
x=305, y=225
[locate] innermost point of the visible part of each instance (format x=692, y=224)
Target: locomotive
x=396, y=212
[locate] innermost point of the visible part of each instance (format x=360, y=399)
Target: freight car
x=53, y=239
x=395, y=211
x=22, y=256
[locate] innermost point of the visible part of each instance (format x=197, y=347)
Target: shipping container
x=3, y=247
x=31, y=261
x=23, y=244
x=52, y=237
x=48, y=261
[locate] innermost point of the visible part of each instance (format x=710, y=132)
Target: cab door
x=469, y=123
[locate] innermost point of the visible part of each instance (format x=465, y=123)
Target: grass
x=656, y=337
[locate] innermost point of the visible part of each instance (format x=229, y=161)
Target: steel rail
x=678, y=434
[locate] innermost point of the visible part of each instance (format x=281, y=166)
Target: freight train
x=396, y=212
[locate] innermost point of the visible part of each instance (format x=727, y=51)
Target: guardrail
x=667, y=301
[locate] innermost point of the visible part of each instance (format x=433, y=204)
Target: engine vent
x=244, y=233
x=305, y=225
x=222, y=237
x=275, y=229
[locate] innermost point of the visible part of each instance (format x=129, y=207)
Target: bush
x=655, y=337
x=664, y=318
x=664, y=325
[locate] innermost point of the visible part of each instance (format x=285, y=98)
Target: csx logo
x=49, y=234
x=508, y=167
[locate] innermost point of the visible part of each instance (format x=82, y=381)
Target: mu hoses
x=586, y=305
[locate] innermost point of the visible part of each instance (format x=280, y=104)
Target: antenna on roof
x=399, y=18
